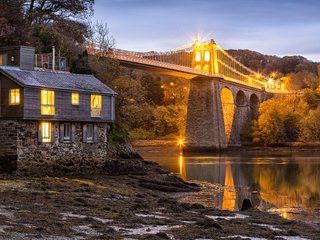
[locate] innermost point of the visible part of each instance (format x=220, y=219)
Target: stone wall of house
x=8, y=146
x=34, y=157
x=58, y=157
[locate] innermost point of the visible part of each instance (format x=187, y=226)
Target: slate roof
x=57, y=80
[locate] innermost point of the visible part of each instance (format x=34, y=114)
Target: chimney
x=53, y=58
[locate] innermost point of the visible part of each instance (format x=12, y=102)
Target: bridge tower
x=205, y=57
x=205, y=124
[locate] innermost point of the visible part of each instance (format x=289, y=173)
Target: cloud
x=270, y=26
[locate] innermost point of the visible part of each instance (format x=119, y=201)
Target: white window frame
x=67, y=138
x=90, y=137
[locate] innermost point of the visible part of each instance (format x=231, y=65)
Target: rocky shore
x=118, y=204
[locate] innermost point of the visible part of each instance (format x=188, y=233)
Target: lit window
x=1, y=60
x=47, y=102
x=66, y=132
x=75, y=98
x=198, y=56
x=207, y=56
x=46, y=132
x=14, y=96
x=96, y=105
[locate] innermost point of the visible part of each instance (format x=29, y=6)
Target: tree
x=82, y=65
x=311, y=97
x=44, y=23
x=101, y=39
x=106, y=69
x=137, y=116
x=152, y=85
x=40, y=12
x=176, y=90
x=277, y=123
x=310, y=127
x=269, y=129
x=13, y=27
x=169, y=119
x=130, y=91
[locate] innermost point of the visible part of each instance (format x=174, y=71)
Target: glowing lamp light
x=197, y=43
x=171, y=83
x=258, y=75
x=180, y=142
x=162, y=86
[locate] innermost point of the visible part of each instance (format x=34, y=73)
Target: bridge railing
x=230, y=68
x=156, y=59
x=156, y=63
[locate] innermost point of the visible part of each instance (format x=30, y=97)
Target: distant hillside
x=267, y=63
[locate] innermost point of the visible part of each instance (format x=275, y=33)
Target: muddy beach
x=126, y=206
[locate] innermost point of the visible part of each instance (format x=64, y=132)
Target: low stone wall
x=8, y=138
x=8, y=146
x=34, y=157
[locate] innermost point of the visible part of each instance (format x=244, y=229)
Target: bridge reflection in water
x=285, y=184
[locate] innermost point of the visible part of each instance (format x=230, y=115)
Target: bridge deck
x=172, y=69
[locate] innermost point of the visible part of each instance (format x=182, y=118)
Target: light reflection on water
x=286, y=184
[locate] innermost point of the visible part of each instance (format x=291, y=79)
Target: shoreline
x=127, y=206
x=285, y=148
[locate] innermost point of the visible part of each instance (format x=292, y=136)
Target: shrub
x=277, y=123
x=118, y=134
x=310, y=127
x=140, y=133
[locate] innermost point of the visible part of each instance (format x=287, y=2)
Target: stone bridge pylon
x=217, y=112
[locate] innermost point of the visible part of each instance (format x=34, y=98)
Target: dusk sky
x=275, y=27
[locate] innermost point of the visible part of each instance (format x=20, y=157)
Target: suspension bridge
x=224, y=94
x=206, y=59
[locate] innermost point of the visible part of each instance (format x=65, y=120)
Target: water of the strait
x=284, y=183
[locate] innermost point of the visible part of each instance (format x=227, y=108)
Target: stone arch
x=241, y=99
x=254, y=106
x=241, y=114
x=228, y=108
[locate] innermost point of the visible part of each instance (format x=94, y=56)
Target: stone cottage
x=51, y=120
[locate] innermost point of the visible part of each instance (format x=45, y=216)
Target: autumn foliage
x=289, y=118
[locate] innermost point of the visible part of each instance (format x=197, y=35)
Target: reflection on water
x=229, y=193
x=286, y=184
x=182, y=169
